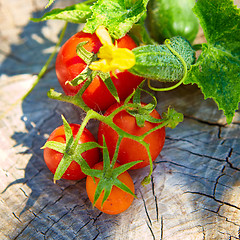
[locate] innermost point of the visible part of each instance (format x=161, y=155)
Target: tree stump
x=195, y=187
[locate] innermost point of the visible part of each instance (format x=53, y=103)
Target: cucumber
x=169, y=18
x=158, y=62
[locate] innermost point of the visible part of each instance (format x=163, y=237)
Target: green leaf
x=109, y=84
x=68, y=133
x=62, y=166
x=107, y=190
x=77, y=13
x=172, y=117
x=123, y=168
x=86, y=169
x=122, y=186
x=102, y=184
x=80, y=78
x=118, y=16
x=84, y=54
x=83, y=147
x=57, y=146
x=217, y=71
x=106, y=158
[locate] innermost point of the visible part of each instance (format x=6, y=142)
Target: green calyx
x=71, y=150
x=87, y=73
x=108, y=177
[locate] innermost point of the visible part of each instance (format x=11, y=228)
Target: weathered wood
x=195, y=188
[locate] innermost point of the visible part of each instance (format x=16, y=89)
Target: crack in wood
x=84, y=225
x=145, y=207
x=229, y=163
x=202, y=155
x=54, y=222
x=96, y=236
x=203, y=232
x=155, y=197
x=230, y=236
x=161, y=228
x=176, y=164
x=183, y=139
x=150, y=228
x=217, y=180
x=24, y=192
x=14, y=214
x=212, y=197
x=29, y=223
x=222, y=216
x=205, y=122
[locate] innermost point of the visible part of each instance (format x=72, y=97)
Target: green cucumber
x=169, y=18
x=158, y=62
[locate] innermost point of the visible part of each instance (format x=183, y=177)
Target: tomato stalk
x=169, y=119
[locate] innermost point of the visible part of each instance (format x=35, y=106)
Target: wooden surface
x=195, y=188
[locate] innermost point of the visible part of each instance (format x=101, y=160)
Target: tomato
x=53, y=158
x=131, y=150
x=97, y=96
x=118, y=200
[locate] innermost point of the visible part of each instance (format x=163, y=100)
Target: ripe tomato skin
x=131, y=150
x=97, y=96
x=52, y=158
x=118, y=200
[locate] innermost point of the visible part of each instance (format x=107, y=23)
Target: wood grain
x=195, y=189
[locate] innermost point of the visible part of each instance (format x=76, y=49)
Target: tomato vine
x=106, y=24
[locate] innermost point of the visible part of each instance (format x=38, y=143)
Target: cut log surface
x=194, y=192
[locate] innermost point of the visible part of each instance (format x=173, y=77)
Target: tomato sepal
x=72, y=150
x=173, y=117
x=84, y=54
x=57, y=146
x=108, y=176
x=109, y=84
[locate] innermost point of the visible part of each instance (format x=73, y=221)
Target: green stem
x=147, y=179
x=45, y=67
x=167, y=43
x=91, y=114
x=76, y=99
x=114, y=159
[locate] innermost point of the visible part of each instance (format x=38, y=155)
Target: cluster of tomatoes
x=99, y=98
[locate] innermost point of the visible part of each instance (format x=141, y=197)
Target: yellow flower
x=111, y=57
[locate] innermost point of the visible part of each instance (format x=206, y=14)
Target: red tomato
x=97, y=96
x=131, y=150
x=118, y=200
x=53, y=158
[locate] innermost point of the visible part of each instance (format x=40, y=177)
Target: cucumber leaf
x=118, y=16
x=77, y=13
x=217, y=70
